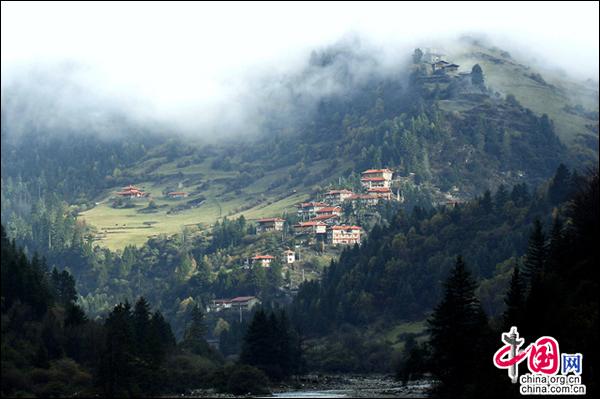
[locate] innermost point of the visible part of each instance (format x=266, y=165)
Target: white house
x=343, y=235
x=289, y=256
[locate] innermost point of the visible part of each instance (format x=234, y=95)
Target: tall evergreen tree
x=117, y=365
x=501, y=197
x=477, y=75
x=515, y=301
x=457, y=329
x=486, y=202
x=195, y=333
x=535, y=257
x=560, y=186
x=141, y=327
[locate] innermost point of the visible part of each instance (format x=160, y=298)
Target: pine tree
x=501, y=197
x=194, y=335
x=486, y=202
x=117, y=365
x=141, y=327
x=560, y=186
x=477, y=75
x=557, y=250
x=160, y=338
x=457, y=329
x=257, y=347
x=535, y=257
x=514, y=301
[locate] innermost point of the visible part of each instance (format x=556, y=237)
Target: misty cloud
x=216, y=70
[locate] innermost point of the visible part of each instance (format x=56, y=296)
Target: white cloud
x=185, y=60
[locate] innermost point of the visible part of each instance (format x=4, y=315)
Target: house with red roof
x=330, y=210
x=376, y=178
x=381, y=192
x=308, y=210
x=131, y=192
x=263, y=260
x=269, y=224
x=328, y=219
x=312, y=228
x=244, y=302
x=336, y=197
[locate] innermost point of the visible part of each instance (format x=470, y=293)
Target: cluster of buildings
x=322, y=219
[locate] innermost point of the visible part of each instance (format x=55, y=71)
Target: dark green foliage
x=228, y=233
x=486, y=202
x=562, y=303
x=457, y=329
x=501, y=198
x=477, y=75
x=560, y=185
x=63, y=285
x=271, y=345
x=535, y=256
x=515, y=301
x=246, y=379
x=117, y=365
x=23, y=281
x=417, y=56
x=393, y=274
x=194, y=338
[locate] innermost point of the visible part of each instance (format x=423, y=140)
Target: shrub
x=247, y=379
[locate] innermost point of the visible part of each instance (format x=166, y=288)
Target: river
x=355, y=386
x=339, y=386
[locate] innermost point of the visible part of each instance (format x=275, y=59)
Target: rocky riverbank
x=338, y=386
x=355, y=386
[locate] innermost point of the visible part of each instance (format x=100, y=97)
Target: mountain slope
x=446, y=137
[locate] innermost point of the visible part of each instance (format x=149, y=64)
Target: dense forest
x=553, y=293
x=50, y=348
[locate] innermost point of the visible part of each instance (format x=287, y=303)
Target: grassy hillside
x=541, y=90
x=117, y=228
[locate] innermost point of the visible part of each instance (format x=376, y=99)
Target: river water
x=340, y=386
x=363, y=386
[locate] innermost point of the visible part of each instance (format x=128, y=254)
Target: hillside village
x=320, y=222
